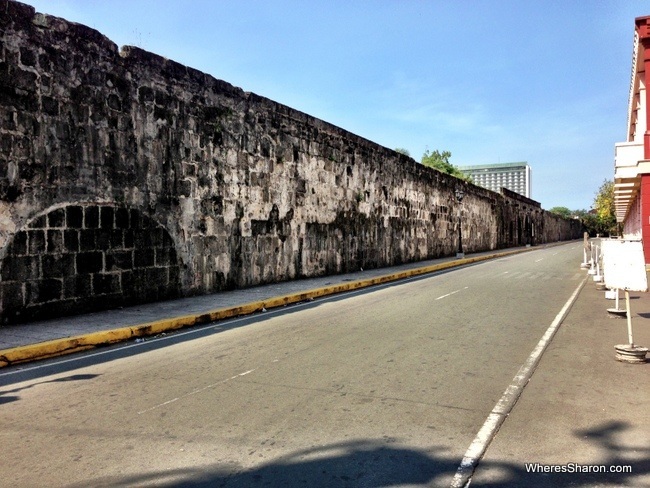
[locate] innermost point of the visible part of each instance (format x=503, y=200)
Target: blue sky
x=491, y=81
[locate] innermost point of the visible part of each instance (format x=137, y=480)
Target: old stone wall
x=126, y=177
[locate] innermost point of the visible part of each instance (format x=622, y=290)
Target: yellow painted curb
x=68, y=345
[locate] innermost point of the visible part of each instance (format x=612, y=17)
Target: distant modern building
x=632, y=157
x=513, y=176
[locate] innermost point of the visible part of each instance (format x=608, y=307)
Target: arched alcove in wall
x=86, y=257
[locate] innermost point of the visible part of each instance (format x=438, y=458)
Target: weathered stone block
x=114, y=102
x=143, y=258
x=19, y=245
x=119, y=260
x=58, y=265
x=87, y=239
x=135, y=219
x=50, y=106
x=105, y=283
x=89, y=262
x=43, y=290
x=103, y=239
x=74, y=216
x=38, y=222
x=27, y=57
x=78, y=285
x=107, y=218
x=91, y=217
x=122, y=218
x=36, y=240
x=159, y=276
x=145, y=94
x=55, y=241
x=116, y=239
x=165, y=256
x=129, y=238
x=71, y=240
x=12, y=295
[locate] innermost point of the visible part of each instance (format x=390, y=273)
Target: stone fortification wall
x=126, y=177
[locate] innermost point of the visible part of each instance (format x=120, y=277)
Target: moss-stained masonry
x=126, y=177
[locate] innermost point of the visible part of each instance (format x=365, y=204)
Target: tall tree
x=440, y=161
x=604, y=201
x=605, y=209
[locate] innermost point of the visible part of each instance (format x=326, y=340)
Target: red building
x=632, y=157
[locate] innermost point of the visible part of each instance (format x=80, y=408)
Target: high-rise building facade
x=513, y=176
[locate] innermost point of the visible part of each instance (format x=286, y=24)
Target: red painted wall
x=645, y=215
x=643, y=29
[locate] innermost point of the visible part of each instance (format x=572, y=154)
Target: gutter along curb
x=68, y=345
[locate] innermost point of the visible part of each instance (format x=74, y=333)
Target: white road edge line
x=503, y=407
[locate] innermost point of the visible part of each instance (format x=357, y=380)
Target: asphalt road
x=383, y=387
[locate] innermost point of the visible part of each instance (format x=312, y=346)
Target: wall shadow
x=372, y=463
x=74, y=377
x=367, y=463
x=607, y=436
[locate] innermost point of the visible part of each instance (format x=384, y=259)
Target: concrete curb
x=68, y=345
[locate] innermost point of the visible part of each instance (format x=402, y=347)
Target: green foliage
x=562, y=212
x=605, y=209
x=440, y=161
x=591, y=223
x=604, y=201
x=403, y=151
x=602, y=218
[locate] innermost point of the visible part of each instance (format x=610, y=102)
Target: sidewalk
x=38, y=340
x=581, y=406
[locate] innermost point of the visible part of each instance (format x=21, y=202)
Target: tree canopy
x=440, y=161
x=605, y=209
x=562, y=212
x=601, y=219
x=604, y=201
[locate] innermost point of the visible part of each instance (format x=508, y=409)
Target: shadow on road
x=74, y=377
x=357, y=463
x=378, y=463
x=618, y=455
